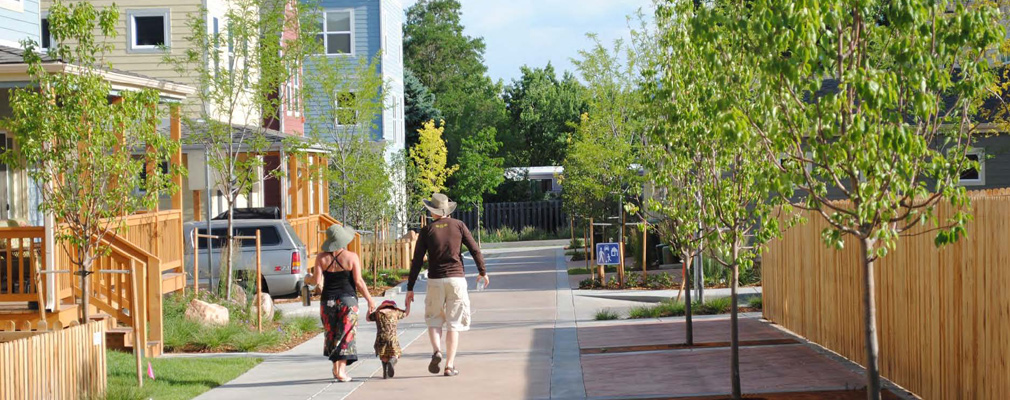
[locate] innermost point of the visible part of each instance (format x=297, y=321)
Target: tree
x=480, y=171
x=77, y=146
x=358, y=176
x=429, y=159
x=451, y=65
x=419, y=106
x=239, y=79
x=542, y=111
x=872, y=104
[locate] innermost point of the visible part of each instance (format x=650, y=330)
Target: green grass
x=610, y=269
x=528, y=233
x=670, y=308
x=175, y=378
x=386, y=277
x=755, y=302
x=606, y=315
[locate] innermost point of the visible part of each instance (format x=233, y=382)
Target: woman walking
x=339, y=270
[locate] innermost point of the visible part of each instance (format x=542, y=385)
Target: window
x=47, y=36
x=269, y=236
x=346, y=113
x=336, y=35
x=974, y=176
x=148, y=29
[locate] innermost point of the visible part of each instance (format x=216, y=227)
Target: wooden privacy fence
x=546, y=215
x=61, y=364
x=943, y=315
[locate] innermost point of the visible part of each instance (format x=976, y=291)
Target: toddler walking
x=387, y=343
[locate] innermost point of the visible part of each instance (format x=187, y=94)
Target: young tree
x=872, y=103
x=239, y=70
x=355, y=96
x=480, y=171
x=77, y=146
x=429, y=160
x=418, y=106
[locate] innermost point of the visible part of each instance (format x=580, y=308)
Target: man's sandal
x=450, y=371
x=435, y=360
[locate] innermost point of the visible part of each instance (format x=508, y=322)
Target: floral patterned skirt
x=340, y=320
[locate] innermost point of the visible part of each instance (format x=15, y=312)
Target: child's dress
x=387, y=344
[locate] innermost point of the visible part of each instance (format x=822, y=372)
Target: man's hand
x=409, y=299
x=486, y=279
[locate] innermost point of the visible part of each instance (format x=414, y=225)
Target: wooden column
x=293, y=185
x=304, y=184
x=197, y=214
x=175, y=134
x=325, y=186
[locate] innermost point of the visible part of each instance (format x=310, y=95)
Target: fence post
x=259, y=284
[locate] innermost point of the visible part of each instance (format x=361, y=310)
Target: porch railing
x=312, y=231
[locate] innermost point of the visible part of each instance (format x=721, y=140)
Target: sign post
x=607, y=254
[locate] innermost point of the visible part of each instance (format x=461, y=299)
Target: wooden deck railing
x=21, y=254
x=312, y=232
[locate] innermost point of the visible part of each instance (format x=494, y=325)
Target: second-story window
x=346, y=113
x=337, y=34
x=47, y=36
x=148, y=29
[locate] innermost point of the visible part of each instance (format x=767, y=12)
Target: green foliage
x=176, y=378
x=480, y=171
x=76, y=144
x=429, y=159
x=360, y=179
x=756, y=302
x=239, y=334
x=386, y=277
x=664, y=309
x=606, y=315
x=720, y=305
x=507, y=234
x=542, y=110
x=418, y=106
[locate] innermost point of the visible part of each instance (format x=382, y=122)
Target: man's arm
x=474, y=249
x=415, y=265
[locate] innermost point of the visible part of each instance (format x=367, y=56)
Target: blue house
x=361, y=29
x=19, y=19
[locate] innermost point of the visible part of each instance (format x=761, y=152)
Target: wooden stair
x=172, y=281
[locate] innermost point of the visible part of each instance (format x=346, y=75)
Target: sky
x=535, y=32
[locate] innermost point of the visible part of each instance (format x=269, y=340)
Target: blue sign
x=608, y=254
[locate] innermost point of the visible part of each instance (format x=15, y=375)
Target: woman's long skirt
x=340, y=320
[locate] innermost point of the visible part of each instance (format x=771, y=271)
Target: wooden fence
x=62, y=364
x=545, y=215
x=943, y=315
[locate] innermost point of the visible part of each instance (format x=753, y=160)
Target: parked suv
x=282, y=251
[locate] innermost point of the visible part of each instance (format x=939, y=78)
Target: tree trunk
x=85, y=289
x=734, y=341
x=230, y=248
x=478, y=224
x=870, y=316
x=687, y=300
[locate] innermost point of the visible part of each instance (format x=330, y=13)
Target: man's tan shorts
x=447, y=302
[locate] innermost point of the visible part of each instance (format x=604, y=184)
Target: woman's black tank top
x=338, y=284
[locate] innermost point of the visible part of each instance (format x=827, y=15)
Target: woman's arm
x=315, y=275
x=362, y=286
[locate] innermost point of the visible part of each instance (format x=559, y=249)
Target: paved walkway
x=522, y=345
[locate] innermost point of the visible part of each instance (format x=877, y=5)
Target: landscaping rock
x=206, y=313
x=268, y=306
x=238, y=295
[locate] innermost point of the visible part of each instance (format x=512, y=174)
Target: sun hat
x=440, y=204
x=383, y=305
x=337, y=237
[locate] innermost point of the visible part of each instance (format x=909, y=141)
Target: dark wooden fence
x=545, y=215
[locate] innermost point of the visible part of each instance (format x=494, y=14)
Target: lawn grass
x=175, y=378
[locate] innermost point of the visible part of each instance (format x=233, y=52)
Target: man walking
x=446, y=302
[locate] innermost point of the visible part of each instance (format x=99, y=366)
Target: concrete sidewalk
x=521, y=345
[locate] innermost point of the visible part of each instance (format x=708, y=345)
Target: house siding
x=16, y=26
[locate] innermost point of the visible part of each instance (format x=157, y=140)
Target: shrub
x=659, y=281
x=590, y=283
x=633, y=280
x=606, y=315
x=716, y=306
x=755, y=302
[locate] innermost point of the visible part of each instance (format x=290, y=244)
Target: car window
x=269, y=236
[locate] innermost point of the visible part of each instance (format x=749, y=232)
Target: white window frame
x=980, y=152
x=131, y=29
x=325, y=32
x=13, y=5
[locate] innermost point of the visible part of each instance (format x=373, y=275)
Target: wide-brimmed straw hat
x=384, y=305
x=337, y=237
x=440, y=204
